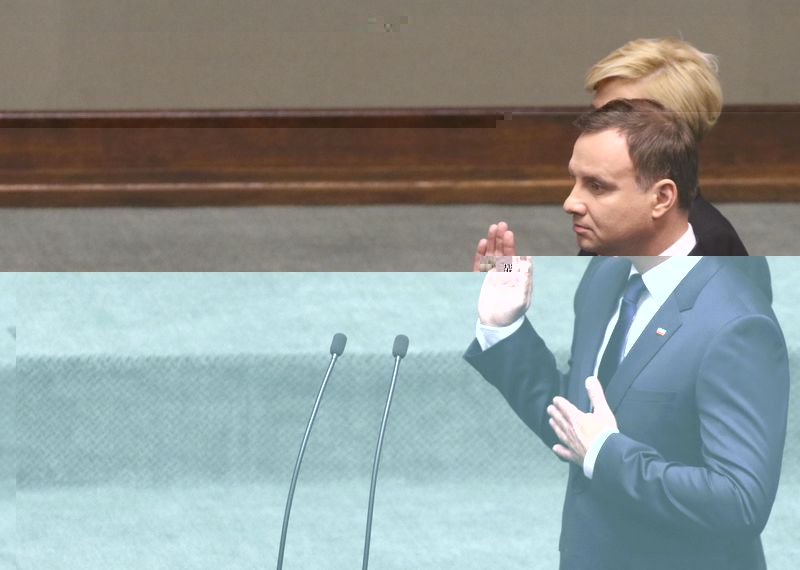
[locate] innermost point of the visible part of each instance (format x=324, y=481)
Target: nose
x=573, y=204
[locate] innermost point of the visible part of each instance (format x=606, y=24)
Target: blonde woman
x=684, y=80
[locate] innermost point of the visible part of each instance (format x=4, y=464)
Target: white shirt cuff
x=489, y=336
x=594, y=450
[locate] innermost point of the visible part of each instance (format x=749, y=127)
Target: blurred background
x=144, y=135
x=203, y=54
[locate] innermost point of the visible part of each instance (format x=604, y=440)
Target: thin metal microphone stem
x=377, y=462
x=300, y=459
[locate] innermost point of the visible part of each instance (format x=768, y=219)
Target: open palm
x=505, y=296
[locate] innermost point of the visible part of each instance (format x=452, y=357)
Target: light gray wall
x=115, y=54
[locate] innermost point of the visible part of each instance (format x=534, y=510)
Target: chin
x=587, y=245
x=597, y=249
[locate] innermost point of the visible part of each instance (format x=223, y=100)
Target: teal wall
x=8, y=384
x=155, y=378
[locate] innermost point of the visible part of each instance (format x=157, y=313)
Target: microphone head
x=337, y=344
x=400, y=346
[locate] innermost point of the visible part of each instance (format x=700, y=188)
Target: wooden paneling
x=426, y=156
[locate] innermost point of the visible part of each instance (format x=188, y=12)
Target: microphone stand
x=399, y=351
x=336, y=350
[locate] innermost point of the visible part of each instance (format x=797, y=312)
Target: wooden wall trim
x=364, y=156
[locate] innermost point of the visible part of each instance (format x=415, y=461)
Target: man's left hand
x=576, y=429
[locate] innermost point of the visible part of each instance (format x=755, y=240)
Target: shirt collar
x=684, y=245
x=662, y=279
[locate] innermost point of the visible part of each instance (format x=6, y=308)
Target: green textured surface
x=123, y=314
x=8, y=507
x=470, y=525
x=160, y=414
x=164, y=420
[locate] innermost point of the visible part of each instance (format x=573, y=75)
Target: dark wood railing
x=411, y=156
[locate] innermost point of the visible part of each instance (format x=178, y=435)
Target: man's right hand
x=506, y=296
x=499, y=241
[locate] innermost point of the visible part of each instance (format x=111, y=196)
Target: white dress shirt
x=683, y=246
x=660, y=282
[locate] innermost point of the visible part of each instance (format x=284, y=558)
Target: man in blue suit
x=677, y=463
x=672, y=414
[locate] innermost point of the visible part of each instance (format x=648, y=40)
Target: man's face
x=610, y=214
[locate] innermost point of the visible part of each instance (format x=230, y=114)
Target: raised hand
x=499, y=241
x=506, y=296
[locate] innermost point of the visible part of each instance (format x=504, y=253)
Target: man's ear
x=665, y=197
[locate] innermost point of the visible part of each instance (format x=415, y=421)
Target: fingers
x=501, y=235
x=480, y=251
x=526, y=269
x=562, y=417
x=496, y=239
x=561, y=425
x=564, y=453
x=566, y=407
x=508, y=246
x=523, y=264
x=560, y=430
x=499, y=241
x=528, y=294
x=491, y=240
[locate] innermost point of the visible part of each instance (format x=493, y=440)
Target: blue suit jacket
x=690, y=479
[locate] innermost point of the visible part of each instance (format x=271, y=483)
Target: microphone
x=399, y=351
x=400, y=346
x=337, y=348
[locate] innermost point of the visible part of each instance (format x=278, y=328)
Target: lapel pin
x=660, y=331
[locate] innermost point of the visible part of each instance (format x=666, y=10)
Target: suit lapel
x=599, y=303
x=669, y=317
x=643, y=350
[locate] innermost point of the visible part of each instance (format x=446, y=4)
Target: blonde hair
x=672, y=72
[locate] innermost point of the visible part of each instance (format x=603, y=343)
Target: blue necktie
x=616, y=344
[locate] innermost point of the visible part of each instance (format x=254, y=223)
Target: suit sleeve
x=741, y=395
x=524, y=370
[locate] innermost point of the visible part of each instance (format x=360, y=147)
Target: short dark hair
x=660, y=143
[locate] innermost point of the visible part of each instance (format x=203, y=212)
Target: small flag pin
x=660, y=331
